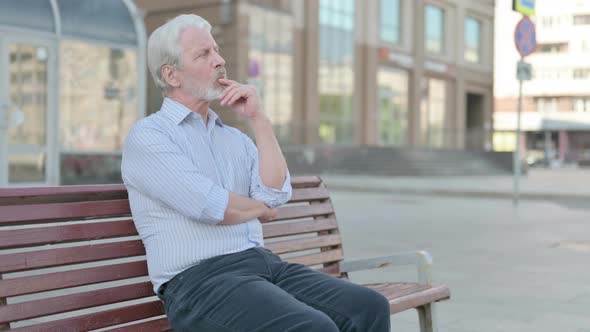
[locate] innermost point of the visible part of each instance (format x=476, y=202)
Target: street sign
x=525, y=37
x=524, y=71
x=525, y=7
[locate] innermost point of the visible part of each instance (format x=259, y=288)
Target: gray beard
x=210, y=94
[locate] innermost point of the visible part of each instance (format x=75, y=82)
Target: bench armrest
x=421, y=259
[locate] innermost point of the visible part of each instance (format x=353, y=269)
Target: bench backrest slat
x=43, y=213
x=71, y=302
x=152, y=326
x=309, y=194
x=103, y=319
x=62, y=227
x=30, y=260
x=281, y=247
x=325, y=257
x=72, y=278
x=303, y=211
x=299, y=227
x=21, y=238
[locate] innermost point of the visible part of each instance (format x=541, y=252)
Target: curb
x=460, y=193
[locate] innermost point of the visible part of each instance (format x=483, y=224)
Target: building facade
x=349, y=73
x=556, y=102
x=413, y=73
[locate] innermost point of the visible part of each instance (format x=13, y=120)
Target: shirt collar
x=177, y=112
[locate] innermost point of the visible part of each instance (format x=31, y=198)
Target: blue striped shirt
x=178, y=173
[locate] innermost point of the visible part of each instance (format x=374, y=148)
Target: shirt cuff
x=275, y=197
x=217, y=202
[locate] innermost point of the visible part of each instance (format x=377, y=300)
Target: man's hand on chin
x=241, y=98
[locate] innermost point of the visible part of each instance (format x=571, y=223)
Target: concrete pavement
x=509, y=268
x=539, y=184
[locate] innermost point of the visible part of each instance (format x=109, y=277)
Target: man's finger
x=240, y=93
x=231, y=97
x=227, y=82
x=227, y=91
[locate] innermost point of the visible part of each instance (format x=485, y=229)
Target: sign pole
x=526, y=42
x=517, y=163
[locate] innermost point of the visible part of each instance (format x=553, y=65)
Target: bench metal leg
x=427, y=316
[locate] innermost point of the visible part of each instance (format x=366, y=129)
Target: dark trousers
x=255, y=290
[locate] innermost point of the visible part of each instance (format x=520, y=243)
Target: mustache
x=220, y=73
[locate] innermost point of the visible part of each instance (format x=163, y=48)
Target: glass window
x=105, y=20
x=552, y=47
x=26, y=167
x=582, y=19
x=28, y=93
x=581, y=73
x=546, y=105
x=582, y=105
x=98, y=97
x=433, y=112
x=89, y=168
x=579, y=105
x=270, y=66
x=434, y=29
x=392, y=112
x=547, y=21
x=472, y=40
x=390, y=21
x=336, y=76
x=30, y=14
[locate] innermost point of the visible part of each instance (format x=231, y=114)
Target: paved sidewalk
x=510, y=269
x=540, y=184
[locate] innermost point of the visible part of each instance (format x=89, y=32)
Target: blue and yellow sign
x=525, y=7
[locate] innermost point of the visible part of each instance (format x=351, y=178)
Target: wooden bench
x=71, y=260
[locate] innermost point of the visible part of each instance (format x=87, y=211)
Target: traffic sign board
x=525, y=7
x=525, y=37
x=524, y=71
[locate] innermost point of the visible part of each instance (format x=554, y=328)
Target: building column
x=310, y=69
x=365, y=69
x=564, y=145
x=547, y=146
x=416, y=75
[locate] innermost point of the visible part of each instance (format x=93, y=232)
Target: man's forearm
x=273, y=167
x=241, y=209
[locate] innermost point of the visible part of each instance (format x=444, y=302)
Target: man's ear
x=170, y=75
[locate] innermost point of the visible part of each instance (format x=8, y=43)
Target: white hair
x=164, y=45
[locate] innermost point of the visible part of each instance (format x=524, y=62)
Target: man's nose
x=218, y=61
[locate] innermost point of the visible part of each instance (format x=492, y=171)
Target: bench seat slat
x=20, y=238
x=65, y=303
x=396, y=290
x=303, y=211
x=281, y=247
x=412, y=295
x=41, y=213
x=273, y=230
x=60, y=280
x=72, y=255
x=325, y=257
x=100, y=319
